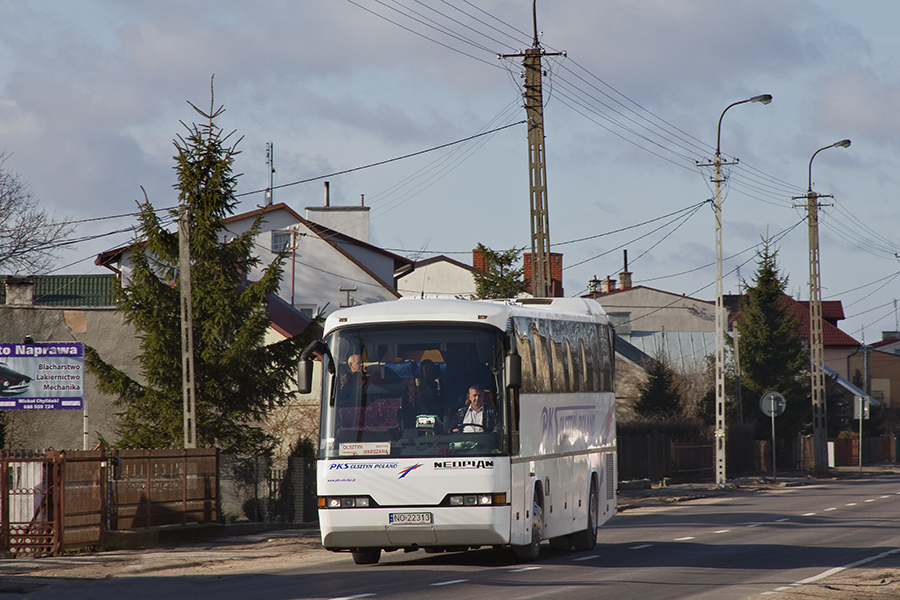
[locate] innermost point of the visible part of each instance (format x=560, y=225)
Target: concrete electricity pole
x=540, y=218
x=718, y=180
x=816, y=341
x=187, y=327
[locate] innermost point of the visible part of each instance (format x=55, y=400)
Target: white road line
x=684, y=539
x=754, y=525
x=590, y=557
x=451, y=582
x=782, y=520
x=523, y=569
x=808, y=515
x=885, y=496
x=833, y=571
x=830, y=509
x=722, y=531
x=852, y=504
x=871, y=500
x=641, y=547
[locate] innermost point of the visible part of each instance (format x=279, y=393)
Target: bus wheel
x=587, y=538
x=530, y=552
x=366, y=556
x=561, y=543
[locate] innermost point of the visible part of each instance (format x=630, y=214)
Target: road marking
x=451, y=582
x=829, y=509
x=641, y=547
x=353, y=597
x=885, y=496
x=754, y=525
x=852, y=504
x=782, y=520
x=591, y=557
x=684, y=539
x=523, y=569
x=870, y=500
x=833, y=571
x=809, y=515
x=722, y=531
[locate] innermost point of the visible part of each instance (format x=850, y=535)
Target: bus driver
x=475, y=417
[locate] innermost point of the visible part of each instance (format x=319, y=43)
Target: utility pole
x=540, y=217
x=718, y=180
x=187, y=327
x=816, y=340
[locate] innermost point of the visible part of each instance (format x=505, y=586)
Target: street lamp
x=816, y=341
x=720, y=308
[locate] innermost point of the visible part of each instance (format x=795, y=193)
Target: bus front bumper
x=344, y=529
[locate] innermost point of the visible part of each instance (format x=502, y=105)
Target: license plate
x=423, y=518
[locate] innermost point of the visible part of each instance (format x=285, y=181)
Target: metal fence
x=260, y=488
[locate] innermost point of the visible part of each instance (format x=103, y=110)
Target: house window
x=281, y=241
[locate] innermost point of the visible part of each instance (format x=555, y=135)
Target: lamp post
x=816, y=341
x=720, y=308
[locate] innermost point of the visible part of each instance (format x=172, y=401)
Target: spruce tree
x=772, y=353
x=657, y=392
x=237, y=377
x=500, y=279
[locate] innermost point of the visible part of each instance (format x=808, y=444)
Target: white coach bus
x=405, y=464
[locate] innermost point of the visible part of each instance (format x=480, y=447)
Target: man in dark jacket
x=476, y=416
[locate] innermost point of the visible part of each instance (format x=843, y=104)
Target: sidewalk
x=646, y=494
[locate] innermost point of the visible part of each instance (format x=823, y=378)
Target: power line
x=382, y=162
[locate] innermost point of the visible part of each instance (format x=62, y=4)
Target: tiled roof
x=831, y=335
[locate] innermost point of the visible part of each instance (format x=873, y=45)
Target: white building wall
x=653, y=310
x=437, y=278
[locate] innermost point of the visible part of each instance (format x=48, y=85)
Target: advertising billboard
x=42, y=376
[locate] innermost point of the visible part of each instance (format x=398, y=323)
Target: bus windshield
x=414, y=390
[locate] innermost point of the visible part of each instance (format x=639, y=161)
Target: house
x=324, y=268
x=877, y=367
x=437, y=276
x=659, y=323
x=81, y=308
x=838, y=345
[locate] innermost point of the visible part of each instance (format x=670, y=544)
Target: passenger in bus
x=352, y=375
x=476, y=416
x=428, y=390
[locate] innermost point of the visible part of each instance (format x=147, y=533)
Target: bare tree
x=28, y=235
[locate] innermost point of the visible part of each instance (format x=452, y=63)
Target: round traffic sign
x=772, y=404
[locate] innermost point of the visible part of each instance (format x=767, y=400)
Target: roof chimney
x=327, y=194
x=625, y=275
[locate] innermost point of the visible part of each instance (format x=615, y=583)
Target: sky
x=375, y=97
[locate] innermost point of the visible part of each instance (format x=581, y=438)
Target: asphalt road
x=752, y=544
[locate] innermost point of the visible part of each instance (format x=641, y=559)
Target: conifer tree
x=500, y=278
x=773, y=355
x=657, y=393
x=237, y=377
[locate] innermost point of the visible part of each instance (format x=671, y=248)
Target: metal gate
x=31, y=503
